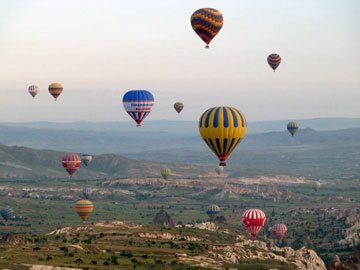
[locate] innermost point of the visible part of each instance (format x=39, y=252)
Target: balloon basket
x=138, y=125
x=207, y=47
x=223, y=164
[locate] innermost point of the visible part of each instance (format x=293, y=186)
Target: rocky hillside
x=117, y=245
x=26, y=163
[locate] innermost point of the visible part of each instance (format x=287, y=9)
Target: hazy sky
x=100, y=49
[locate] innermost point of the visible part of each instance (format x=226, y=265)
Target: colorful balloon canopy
x=33, y=90
x=7, y=213
x=254, y=220
x=86, y=159
x=206, y=23
x=55, y=89
x=84, y=208
x=178, y=106
x=292, y=127
x=279, y=231
x=219, y=169
x=274, y=61
x=165, y=173
x=222, y=129
x=86, y=192
x=212, y=211
x=138, y=104
x=71, y=162
x=316, y=185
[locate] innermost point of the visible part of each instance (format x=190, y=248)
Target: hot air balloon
x=86, y=192
x=33, y=90
x=274, y=61
x=55, y=89
x=316, y=185
x=222, y=129
x=212, y=211
x=138, y=104
x=84, y=208
x=178, y=106
x=7, y=213
x=86, y=159
x=219, y=170
x=254, y=220
x=71, y=162
x=207, y=22
x=292, y=127
x=165, y=173
x=279, y=231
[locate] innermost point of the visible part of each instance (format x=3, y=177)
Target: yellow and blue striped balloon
x=55, y=90
x=212, y=211
x=84, y=208
x=292, y=127
x=165, y=173
x=222, y=129
x=274, y=60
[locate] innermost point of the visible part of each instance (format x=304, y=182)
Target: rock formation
x=163, y=218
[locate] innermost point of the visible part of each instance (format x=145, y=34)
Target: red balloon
x=279, y=231
x=71, y=162
x=254, y=220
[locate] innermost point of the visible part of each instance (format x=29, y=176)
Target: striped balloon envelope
x=7, y=213
x=86, y=159
x=84, y=208
x=222, y=129
x=71, y=162
x=212, y=211
x=274, y=61
x=86, y=192
x=178, y=106
x=279, y=231
x=138, y=104
x=33, y=90
x=55, y=90
x=206, y=23
x=254, y=220
x=165, y=173
x=292, y=127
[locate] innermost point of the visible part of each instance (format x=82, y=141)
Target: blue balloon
x=7, y=213
x=86, y=192
x=138, y=104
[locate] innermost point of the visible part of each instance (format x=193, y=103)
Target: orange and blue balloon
x=207, y=23
x=84, y=208
x=274, y=61
x=55, y=90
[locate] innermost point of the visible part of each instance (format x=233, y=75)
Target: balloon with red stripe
x=71, y=162
x=138, y=104
x=84, y=208
x=179, y=106
x=254, y=220
x=33, y=90
x=279, y=231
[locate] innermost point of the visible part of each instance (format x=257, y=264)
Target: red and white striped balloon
x=33, y=90
x=71, y=162
x=279, y=231
x=254, y=220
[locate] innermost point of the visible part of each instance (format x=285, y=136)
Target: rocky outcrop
x=48, y=267
x=163, y=218
x=14, y=240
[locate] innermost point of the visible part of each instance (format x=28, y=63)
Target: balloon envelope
x=86, y=159
x=212, y=211
x=292, y=127
x=219, y=169
x=55, y=90
x=7, y=213
x=138, y=104
x=254, y=220
x=222, y=129
x=71, y=162
x=279, y=231
x=84, y=208
x=316, y=185
x=165, y=173
x=86, y=192
x=178, y=106
x=207, y=23
x=33, y=90
x=274, y=60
